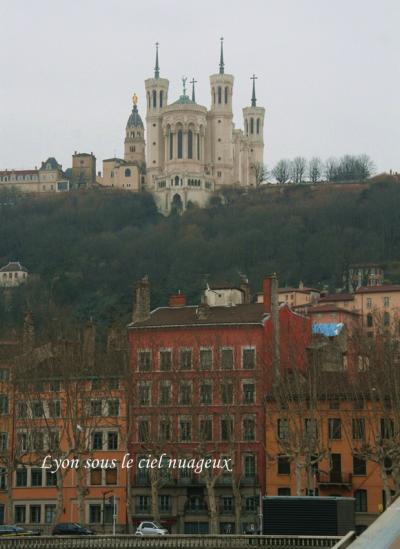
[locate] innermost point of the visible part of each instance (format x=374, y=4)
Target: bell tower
x=134, y=136
x=157, y=99
x=220, y=124
x=253, y=117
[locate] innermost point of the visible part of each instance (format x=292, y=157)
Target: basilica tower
x=220, y=125
x=254, y=131
x=134, y=136
x=157, y=99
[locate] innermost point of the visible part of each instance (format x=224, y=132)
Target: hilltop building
x=48, y=178
x=13, y=274
x=191, y=150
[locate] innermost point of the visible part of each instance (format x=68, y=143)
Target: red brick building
x=200, y=374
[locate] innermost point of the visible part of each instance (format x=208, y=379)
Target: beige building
x=295, y=297
x=49, y=178
x=13, y=274
x=191, y=150
x=83, y=169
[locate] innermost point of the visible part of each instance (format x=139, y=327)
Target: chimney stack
x=177, y=300
x=245, y=287
x=141, y=307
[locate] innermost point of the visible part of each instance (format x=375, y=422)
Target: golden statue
x=134, y=99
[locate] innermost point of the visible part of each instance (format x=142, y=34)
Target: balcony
x=195, y=508
x=334, y=478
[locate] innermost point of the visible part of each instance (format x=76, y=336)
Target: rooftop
x=13, y=266
x=376, y=289
x=337, y=297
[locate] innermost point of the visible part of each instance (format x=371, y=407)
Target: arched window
x=180, y=141
x=219, y=94
x=226, y=95
x=190, y=144
x=154, y=99
x=148, y=100
x=247, y=127
x=258, y=125
x=161, y=99
x=370, y=321
x=177, y=181
x=251, y=125
x=198, y=146
x=127, y=172
x=213, y=94
x=171, y=145
x=386, y=319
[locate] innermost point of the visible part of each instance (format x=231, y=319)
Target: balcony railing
x=334, y=478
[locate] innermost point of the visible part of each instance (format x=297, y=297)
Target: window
x=249, y=359
x=226, y=504
x=164, y=503
x=144, y=361
x=3, y=404
x=387, y=427
x=359, y=465
x=161, y=98
x=206, y=429
x=143, y=504
x=219, y=94
x=97, y=440
x=186, y=359
x=37, y=440
x=127, y=172
x=249, y=428
x=361, y=501
x=3, y=442
x=171, y=146
x=335, y=428
x=54, y=386
x=50, y=513
x=250, y=504
x=21, y=477
x=96, y=407
x=111, y=476
x=258, y=125
x=37, y=409
x=185, y=393
x=22, y=410
x=112, y=440
x=4, y=374
x=3, y=480
x=205, y=359
x=311, y=427
x=190, y=144
x=206, y=393
x=54, y=408
x=144, y=394
x=36, y=477
x=165, y=360
x=386, y=318
x=283, y=465
x=22, y=442
x=185, y=430
x=165, y=429
x=227, y=359
x=227, y=392
x=20, y=514
x=249, y=466
x=249, y=393
x=144, y=431
x=180, y=143
x=154, y=99
x=226, y=429
x=386, y=301
x=51, y=479
x=370, y=320
x=358, y=428
x=95, y=476
x=35, y=511
x=251, y=125
x=113, y=407
x=95, y=512
x=165, y=393
x=384, y=502
x=54, y=440
x=283, y=429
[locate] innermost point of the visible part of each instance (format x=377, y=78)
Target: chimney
x=141, y=307
x=271, y=305
x=177, y=300
x=245, y=287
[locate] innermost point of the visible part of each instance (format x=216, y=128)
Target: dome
x=134, y=121
x=184, y=100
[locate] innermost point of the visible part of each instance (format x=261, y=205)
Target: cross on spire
x=221, y=58
x=193, y=82
x=157, y=67
x=253, y=95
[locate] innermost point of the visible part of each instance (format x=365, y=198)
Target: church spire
x=157, y=67
x=253, y=95
x=193, y=82
x=221, y=58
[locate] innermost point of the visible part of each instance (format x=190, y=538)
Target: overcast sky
x=328, y=72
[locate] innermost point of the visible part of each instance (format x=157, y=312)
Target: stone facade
x=49, y=178
x=191, y=150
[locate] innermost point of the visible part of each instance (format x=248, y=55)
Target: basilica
x=189, y=151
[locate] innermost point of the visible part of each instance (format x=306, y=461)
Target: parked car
x=151, y=529
x=12, y=530
x=71, y=529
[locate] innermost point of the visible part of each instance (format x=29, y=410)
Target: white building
x=13, y=274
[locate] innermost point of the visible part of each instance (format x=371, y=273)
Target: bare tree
x=315, y=169
x=298, y=169
x=331, y=168
x=260, y=172
x=281, y=171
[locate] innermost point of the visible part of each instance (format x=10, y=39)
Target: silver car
x=151, y=529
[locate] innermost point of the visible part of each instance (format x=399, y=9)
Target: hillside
x=85, y=250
